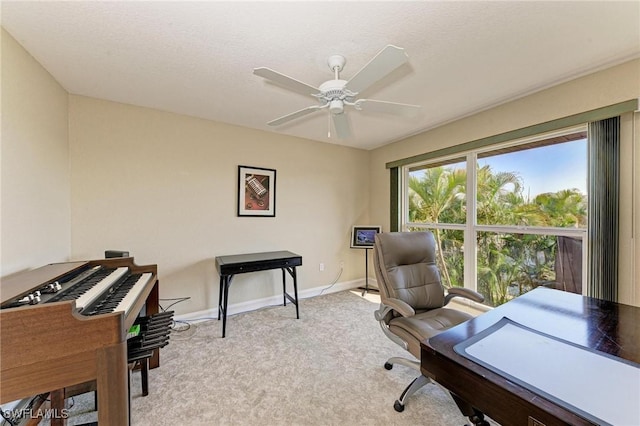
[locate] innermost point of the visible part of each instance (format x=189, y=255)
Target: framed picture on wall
x=364, y=236
x=256, y=191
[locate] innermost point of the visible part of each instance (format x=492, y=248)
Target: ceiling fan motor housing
x=334, y=93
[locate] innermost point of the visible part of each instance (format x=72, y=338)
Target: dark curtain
x=394, y=175
x=569, y=265
x=604, y=182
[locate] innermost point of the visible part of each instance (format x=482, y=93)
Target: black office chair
x=412, y=301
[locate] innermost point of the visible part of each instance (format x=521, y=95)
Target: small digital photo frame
x=364, y=236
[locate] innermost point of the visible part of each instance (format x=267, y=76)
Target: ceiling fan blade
x=387, y=107
x=387, y=60
x=341, y=124
x=294, y=115
x=286, y=81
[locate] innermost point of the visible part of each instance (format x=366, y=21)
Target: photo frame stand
x=366, y=288
x=363, y=237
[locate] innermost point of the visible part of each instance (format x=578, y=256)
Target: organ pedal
x=154, y=334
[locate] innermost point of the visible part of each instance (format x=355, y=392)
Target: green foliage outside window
x=509, y=264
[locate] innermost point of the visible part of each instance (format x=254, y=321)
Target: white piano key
x=95, y=291
x=132, y=295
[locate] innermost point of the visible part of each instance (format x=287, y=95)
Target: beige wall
x=636, y=208
x=629, y=247
x=607, y=87
x=163, y=186
x=35, y=202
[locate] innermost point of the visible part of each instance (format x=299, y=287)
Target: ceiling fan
x=337, y=94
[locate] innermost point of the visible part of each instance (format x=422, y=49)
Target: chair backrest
x=405, y=267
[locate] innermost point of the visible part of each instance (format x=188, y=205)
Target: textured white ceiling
x=197, y=58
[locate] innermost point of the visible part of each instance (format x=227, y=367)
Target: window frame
x=471, y=227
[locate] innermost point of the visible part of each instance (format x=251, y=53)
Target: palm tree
x=498, y=276
x=440, y=190
x=499, y=196
x=564, y=208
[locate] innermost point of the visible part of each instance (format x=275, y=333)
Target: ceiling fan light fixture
x=336, y=107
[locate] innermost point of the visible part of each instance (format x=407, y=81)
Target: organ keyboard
x=65, y=324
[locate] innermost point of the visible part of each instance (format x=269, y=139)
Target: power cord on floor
x=174, y=324
x=333, y=283
x=177, y=300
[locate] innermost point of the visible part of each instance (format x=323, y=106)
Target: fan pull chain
x=329, y=125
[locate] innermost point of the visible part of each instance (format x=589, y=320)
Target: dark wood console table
x=228, y=266
x=609, y=328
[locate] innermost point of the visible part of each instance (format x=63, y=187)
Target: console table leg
x=220, y=296
x=225, y=298
x=295, y=290
x=284, y=287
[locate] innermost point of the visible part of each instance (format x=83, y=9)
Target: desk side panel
x=503, y=401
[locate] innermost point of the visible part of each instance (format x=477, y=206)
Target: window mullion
x=404, y=208
x=470, y=249
x=532, y=230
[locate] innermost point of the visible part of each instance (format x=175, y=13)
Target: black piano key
x=110, y=301
x=82, y=287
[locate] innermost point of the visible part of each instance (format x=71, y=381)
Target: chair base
x=415, y=365
x=473, y=414
x=413, y=387
x=479, y=421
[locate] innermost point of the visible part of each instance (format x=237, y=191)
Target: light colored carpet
x=324, y=369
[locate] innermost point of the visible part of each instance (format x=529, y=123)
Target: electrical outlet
x=321, y=267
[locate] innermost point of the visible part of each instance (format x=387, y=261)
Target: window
x=506, y=219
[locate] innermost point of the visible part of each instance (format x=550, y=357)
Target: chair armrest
x=463, y=292
x=401, y=307
x=383, y=315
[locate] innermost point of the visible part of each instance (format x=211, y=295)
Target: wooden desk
x=591, y=323
x=228, y=266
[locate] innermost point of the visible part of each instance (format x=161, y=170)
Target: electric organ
x=66, y=324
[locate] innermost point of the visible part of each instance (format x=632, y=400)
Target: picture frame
x=364, y=236
x=256, y=191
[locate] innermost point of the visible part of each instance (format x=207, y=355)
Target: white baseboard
x=252, y=305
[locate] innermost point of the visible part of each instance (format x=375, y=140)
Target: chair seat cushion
x=425, y=325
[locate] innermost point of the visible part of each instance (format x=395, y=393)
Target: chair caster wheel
x=388, y=366
x=478, y=420
x=398, y=406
